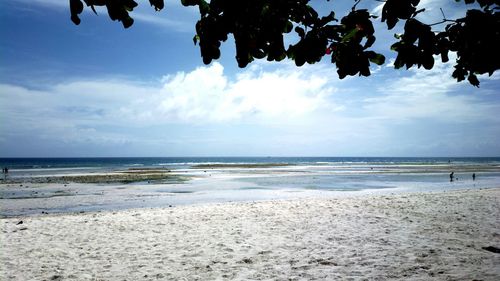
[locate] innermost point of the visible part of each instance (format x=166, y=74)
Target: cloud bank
x=285, y=111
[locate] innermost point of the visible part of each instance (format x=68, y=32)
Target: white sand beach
x=424, y=236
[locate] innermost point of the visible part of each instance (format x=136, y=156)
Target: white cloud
x=432, y=13
x=390, y=63
x=204, y=95
x=287, y=111
x=164, y=21
x=377, y=10
x=430, y=94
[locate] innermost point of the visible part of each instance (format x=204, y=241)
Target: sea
x=184, y=162
x=213, y=180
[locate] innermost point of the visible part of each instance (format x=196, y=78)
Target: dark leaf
x=157, y=4
x=428, y=61
x=204, y=7
x=473, y=80
x=378, y=59
x=288, y=27
x=300, y=31
x=190, y=3
x=76, y=8
x=127, y=22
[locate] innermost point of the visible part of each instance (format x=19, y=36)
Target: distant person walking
x=5, y=171
x=451, y=176
x=473, y=176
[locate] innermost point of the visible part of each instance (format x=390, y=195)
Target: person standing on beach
x=473, y=176
x=451, y=176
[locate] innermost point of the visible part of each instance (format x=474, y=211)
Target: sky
x=99, y=90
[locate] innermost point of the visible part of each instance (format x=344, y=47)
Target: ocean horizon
x=37, y=162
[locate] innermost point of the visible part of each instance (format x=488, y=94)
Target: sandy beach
x=421, y=236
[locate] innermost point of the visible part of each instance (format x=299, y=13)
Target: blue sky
x=99, y=90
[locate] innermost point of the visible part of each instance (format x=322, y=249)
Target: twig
x=444, y=19
x=355, y=4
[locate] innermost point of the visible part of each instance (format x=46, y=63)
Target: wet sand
x=422, y=236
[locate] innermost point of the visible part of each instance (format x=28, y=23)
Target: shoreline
x=437, y=235
x=62, y=191
x=32, y=199
x=348, y=195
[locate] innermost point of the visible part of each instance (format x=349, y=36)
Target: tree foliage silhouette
x=259, y=26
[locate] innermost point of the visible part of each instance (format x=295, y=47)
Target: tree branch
x=444, y=19
x=355, y=4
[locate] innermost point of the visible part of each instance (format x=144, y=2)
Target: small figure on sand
x=5, y=171
x=473, y=176
x=451, y=176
